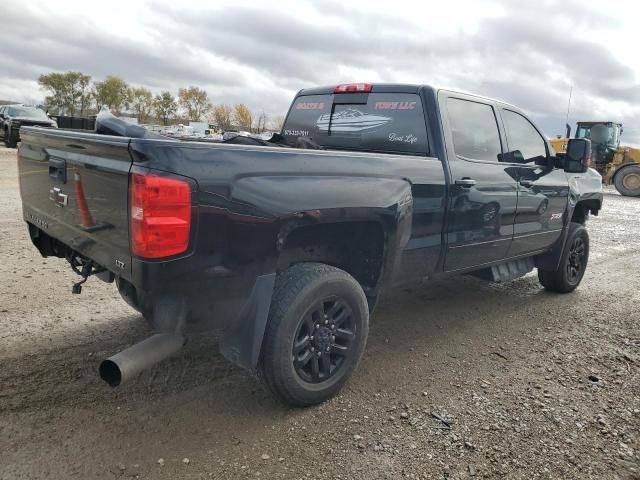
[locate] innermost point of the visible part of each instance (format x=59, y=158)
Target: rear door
x=542, y=189
x=74, y=187
x=483, y=194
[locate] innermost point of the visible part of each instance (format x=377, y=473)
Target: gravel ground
x=460, y=379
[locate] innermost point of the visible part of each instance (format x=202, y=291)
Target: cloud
x=526, y=53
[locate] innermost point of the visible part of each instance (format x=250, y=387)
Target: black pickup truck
x=285, y=246
x=13, y=117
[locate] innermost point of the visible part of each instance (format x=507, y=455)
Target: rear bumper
x=184, y=295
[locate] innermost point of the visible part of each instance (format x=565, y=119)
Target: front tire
x=627, y=181
x=10, y=140
x=573, y=263
x=316, y=335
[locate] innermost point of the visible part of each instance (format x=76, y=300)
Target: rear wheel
x=627, y=181
x=572, y=265
x=317, y=331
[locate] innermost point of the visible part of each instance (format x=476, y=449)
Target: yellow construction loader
x=617, y=164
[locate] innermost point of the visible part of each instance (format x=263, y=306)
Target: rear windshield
x=386, y=122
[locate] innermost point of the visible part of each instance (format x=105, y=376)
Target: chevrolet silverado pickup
x=284, y=246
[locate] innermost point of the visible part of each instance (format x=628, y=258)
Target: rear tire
x=317, y=332
x=627, y=181
x=573, y=263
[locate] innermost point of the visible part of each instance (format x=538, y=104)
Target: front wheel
x=627, y=181
x=317, y=332
x=573, y=263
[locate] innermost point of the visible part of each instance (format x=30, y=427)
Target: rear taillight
x=160, y=215
x=353, y=88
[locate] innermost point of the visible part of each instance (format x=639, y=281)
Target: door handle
x=465, y=182
x=526, y=183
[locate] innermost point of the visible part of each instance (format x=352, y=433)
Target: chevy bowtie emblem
x=57, y=197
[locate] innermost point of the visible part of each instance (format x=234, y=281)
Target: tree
x=222, y=116
x=165, y=106
x=277, y=123
x=141, y=100
x=69, y=92
x=261, y=123
x=242, y=117
x=194, y=101
x=112, y=92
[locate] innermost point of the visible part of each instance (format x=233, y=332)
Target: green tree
x=222, y=116
x=112, y=92
x=165, y=106
x=194, y=101
x=69, y=92
x=242, y=117
x=141, y=101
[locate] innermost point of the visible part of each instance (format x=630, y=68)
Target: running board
x=507, y=271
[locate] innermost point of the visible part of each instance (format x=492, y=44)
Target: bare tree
x=261, y=122
x=277, y=123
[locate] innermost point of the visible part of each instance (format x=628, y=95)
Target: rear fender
x=305, y=201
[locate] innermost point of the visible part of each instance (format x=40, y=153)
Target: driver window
x=526, y=145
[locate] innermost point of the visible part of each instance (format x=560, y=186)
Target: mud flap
x=241, y=341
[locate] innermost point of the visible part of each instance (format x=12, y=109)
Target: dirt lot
x=460, y=379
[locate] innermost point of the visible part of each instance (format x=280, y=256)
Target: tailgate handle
x=58, y=169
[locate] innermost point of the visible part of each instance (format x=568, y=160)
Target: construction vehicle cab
x=618, y=165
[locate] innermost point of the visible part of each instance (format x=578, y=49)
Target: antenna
x=569, y=105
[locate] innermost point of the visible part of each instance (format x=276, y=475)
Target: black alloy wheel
x=323, y=340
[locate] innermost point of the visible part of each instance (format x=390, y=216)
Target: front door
x=542, y=189
x=483, y=195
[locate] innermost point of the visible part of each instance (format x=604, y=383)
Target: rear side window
x=525, y=143
x=386, y=122
x=474, y=129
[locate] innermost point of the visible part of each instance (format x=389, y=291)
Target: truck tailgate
x=74, y=187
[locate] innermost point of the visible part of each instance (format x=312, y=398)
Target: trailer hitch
x=83, y=267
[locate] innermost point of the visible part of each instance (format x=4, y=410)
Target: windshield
x=386, y=122
x=611, y=136
x=27, y=112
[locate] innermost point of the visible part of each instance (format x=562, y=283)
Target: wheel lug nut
x=326, y=322
x=333, y=327
x=317, y=325
x=326, y=316
x=313, y=349
x=319, y=354
x=311, y=337
x=328, y=349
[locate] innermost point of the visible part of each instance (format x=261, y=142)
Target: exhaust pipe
x=127, y=364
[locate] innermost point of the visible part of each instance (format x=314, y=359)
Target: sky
x=528, y=53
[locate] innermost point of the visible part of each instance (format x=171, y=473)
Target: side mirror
x=578, y=156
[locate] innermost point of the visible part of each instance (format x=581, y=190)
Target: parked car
x=13, y=117
x=286, y=250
